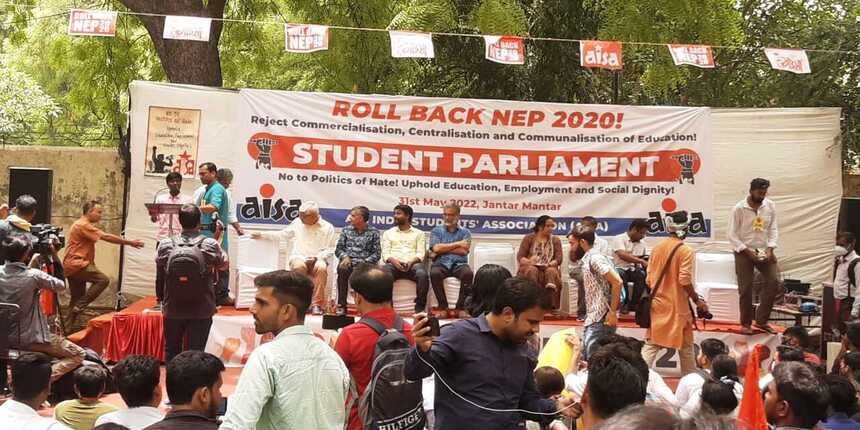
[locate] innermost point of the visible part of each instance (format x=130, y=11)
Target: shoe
x=746, y=330
x=226, y=301
x=765, y=328
x=316, y=310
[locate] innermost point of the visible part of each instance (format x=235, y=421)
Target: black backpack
x=186, y=267
x=390, y=400
x=851, y=281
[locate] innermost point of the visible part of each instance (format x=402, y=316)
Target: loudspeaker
x=35, y=182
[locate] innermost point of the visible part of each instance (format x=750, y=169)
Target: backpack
x=851, y=281
x=390, y=400
x=186, y=267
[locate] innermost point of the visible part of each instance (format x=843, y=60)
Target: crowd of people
x=486, y=369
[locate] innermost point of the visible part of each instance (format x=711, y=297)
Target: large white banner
x=505, y=163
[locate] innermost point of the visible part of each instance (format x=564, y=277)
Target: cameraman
x=21, y=285
x=671, y=264
x=18, y=223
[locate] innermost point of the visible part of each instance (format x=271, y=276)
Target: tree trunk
x=184, y=61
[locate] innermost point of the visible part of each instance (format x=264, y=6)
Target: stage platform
x=138, y=330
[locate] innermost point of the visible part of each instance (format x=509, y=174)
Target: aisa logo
x=268, y=209
x=657, y=223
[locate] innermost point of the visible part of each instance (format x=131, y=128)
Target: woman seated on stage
x=540, y=256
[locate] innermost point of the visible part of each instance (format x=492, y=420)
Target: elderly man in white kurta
x=313, y=242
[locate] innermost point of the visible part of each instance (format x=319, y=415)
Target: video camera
x=47, y=235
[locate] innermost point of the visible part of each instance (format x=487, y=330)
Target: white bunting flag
x=187, y=28
x=790, y=60
x=407, y=44
x=304, y=38
x=505, y=49
x=693, y=55
x=92, y=23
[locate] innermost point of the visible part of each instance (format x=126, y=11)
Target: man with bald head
x=313, y=241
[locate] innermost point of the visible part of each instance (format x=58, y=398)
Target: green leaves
x=23, y=104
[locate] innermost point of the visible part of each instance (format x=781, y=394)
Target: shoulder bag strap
x=665, y=269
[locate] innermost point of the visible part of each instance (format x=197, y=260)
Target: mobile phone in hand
x=222, y=408
x=433, y=323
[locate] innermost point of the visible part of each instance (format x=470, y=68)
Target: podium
x=156, y=209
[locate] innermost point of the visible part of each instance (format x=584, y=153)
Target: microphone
x=155, y=196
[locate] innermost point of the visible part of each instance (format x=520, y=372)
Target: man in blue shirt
x=449, y=246
x=214, y=205
x=486, y=360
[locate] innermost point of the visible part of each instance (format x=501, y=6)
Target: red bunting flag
x=303, y=38
x=790, y=60
x=751, y=414
x=505, y=49
x=693, y=55
x=92, y=23
x=600, y=54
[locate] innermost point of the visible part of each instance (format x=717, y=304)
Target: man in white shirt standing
x=845, y=279
x=31, y=383
x=753, y=235
x=137, y=379
x=296, y=381
x=628, y=253
x=314, y=241
x=168, y=225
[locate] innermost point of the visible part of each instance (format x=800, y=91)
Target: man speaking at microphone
x=487, y=364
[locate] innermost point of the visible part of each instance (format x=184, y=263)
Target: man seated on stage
x=358, y=243
x=136, y=377
x=189, y=300
x=21, y=285
x=373, y=287
x=31, y=384
x=168, y=225
x=194, y=389
x=629, y=251
x=79, y=261
x=313, y=242
x=403, y=249
x=450, y=245
x=295, y=381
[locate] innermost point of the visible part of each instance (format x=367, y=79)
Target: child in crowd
x=549, y=383
x=82, y=413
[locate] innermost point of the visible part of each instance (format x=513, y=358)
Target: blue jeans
x=591, y=334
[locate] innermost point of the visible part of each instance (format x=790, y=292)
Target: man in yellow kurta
x=671, y=316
